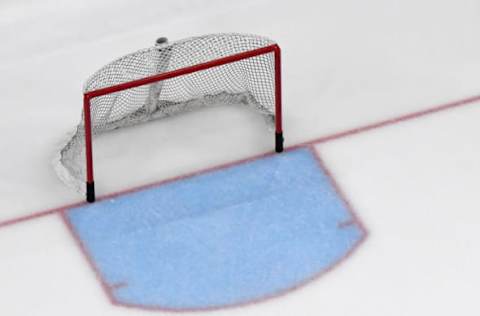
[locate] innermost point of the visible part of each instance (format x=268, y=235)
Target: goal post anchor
x=90, y=192
x=279, y=142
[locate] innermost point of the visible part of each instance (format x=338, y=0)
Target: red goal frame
x=87, y=96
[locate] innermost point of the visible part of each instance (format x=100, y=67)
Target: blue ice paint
x=221, y=238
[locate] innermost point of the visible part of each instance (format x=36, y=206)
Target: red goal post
x=88, y=96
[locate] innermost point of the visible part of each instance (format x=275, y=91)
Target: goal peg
x=90, y=192
x=279, y=142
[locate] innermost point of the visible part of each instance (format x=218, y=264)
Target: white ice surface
x=417, y=196
x=346, y=64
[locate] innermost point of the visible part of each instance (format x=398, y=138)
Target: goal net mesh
x=248, y=82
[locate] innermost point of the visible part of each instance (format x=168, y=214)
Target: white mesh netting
x=247, y=82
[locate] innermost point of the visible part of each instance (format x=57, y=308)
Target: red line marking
x=38, y=214
x=118, y=285
x=346, y=223
x=392, y=121
x=354, y=218
x=323, y=139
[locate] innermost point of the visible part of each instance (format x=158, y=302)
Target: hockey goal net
x=169, y=78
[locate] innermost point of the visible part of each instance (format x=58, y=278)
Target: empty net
x=248, y=82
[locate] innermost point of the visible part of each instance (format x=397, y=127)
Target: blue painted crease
x=226, y=237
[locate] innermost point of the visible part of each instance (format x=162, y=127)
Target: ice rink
x=386, y=92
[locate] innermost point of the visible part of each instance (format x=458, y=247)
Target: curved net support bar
x=170, y=78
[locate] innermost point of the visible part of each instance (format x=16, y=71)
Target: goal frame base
x=90, y=192
x=279, y=142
